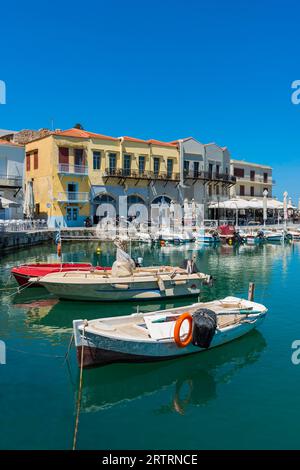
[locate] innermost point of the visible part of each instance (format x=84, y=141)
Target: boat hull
x=112, y=292
x=24, y=274
x=101, y=350
x=208, y=240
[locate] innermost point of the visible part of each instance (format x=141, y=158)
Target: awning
x=233, y=204
x=240, y=204
x=6, y=203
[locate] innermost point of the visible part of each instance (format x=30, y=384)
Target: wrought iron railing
x=149, y=175
x=208, y=175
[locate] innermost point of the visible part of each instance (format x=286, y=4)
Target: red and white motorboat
x=25, y=273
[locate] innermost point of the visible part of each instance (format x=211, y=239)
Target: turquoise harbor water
x=243, y=395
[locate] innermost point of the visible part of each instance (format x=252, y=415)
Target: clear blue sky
x=217, y=70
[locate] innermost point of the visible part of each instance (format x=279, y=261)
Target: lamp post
x=265, y=206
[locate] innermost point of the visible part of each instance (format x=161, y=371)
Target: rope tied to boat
x=85, y=324
x=18, y=289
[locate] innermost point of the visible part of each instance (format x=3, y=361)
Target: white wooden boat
x=141, y=284
x=150, y=337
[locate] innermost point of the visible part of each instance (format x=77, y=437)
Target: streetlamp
x=265, y=206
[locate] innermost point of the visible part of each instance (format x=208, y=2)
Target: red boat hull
x=23, y=273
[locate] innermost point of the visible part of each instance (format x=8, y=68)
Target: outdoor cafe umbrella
x=232, y=204
x=285, y=206
x=29, y=200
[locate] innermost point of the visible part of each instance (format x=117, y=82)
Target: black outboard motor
x=204, y=327
x=237, y=237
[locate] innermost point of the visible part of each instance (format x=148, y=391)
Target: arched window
x=134, y=199
x=104, y=205
x=161, y=199
x=104, y=198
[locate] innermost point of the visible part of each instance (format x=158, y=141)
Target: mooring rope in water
x=18, y=289
x=34, y=354
x=79, y=390
x=69, y=348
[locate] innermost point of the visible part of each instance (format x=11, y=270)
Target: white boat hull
x=99, y=349
x=122, y=290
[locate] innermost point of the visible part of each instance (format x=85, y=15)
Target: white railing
x=11, y=180
x=67, y=168
x=257, y=179
x=20, y=225
x=73, y=196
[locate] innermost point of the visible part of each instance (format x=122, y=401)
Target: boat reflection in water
x=191, y=381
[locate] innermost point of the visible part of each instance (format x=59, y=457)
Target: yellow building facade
x=75, y=173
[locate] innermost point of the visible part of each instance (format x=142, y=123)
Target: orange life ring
x=183, y=343
x=59, y=249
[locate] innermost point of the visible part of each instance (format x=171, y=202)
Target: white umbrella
x=265, y=206
x=285, y=212
x=29, y=200
x=235, y=204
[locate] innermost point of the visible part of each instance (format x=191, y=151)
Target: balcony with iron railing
x=256, y=179
x=141, y=175
x=210, y=176
x=73, y=196
x=11, y=181
x=70, y=169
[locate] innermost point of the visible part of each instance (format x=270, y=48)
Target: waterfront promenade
x=16, y=239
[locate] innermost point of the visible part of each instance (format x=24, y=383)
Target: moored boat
x=208, y=236
x=30, y=274
x=157, y=336
x=253, y=238
x=169, y=236
x=277, y=236
x=136, y=284
x=230, y=236
x=294, y=234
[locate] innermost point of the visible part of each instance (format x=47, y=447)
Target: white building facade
x=205, y=172
x=252, y=179
x=11, y=179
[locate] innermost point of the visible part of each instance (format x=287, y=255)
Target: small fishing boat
x=165, y=236
x=208, y=236
x=165, y=334
x=253, y=238
x=137, y=284
x=277, y=236
x=294, y=234
x=29, y=274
